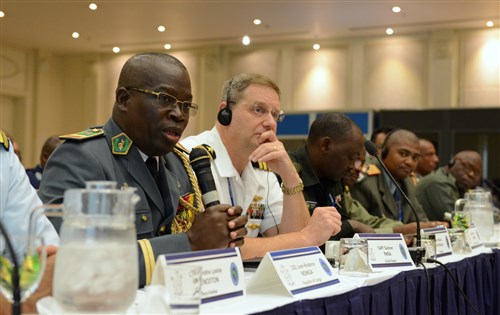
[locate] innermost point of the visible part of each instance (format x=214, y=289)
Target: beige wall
x=43, y=93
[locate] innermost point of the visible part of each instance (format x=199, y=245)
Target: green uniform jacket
x=75, y=162
x=437, y=193
x=374, y=195
x=357, y=212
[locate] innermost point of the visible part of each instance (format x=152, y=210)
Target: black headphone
x=385, y=149
x=451, y=162
x=225, y=114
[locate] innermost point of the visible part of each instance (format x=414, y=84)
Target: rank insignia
x=4, y=141
x=261, y=166
x=121, y=144
x=83, y=135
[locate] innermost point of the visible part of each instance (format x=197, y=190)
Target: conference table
x=407, y=292
x=389, y=292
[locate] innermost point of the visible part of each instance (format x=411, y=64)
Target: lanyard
x=398, y=201
x=230, y=192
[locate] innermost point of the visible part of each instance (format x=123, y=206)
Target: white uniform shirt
x=17, y=199
x=256, y=191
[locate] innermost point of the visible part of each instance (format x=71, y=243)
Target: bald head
x=401, y=153
x=334, y=144
x=467, y=169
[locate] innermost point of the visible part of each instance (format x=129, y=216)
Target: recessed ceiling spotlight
x=161, y=28
x=93, y=6
x=246, y=40
x=396, y=9
x=316, y=46
x=2, y=14
x=75, y=35
x=490, y=23
x=389, y=31
x=116, y=50
x=257, y=22
x=167, y=46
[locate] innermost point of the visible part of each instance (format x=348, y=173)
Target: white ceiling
x=132, y=25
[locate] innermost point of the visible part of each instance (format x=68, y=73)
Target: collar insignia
x=121, y=143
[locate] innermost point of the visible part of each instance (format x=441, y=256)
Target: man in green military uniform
x=438, y=191
x=377, y=193
x=134, y=148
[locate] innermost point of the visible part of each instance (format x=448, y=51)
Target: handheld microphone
x=200, y=158
x=418, y=252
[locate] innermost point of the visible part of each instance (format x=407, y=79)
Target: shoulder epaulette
x=371, y=169
x=83, y=135
x=261, y=166
x=4, y=140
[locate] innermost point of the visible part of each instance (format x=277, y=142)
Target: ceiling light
x=2, y=14
x=396, y=9
x=257, y=22
x=75, y=35
x=93, y=6
x=161, y=28
x=490, y=24
x=246, y=40
x=316, y=46
x=167, y=46
x=389, y=31
x=116, y=50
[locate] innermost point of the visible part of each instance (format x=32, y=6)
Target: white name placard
x=443, y=242
x=472, y=237
x=222, y=276
x=293, y=271
x=387, y=251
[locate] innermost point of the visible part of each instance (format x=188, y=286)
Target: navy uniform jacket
x=78, y=161
x=373, y=193
x=320, y=193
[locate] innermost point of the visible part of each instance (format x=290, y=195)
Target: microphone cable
x=471, y=305
x=428, y=281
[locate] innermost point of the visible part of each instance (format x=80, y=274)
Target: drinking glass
x=29, y=252
x=353, y=257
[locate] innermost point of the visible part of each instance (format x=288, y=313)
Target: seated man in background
x=247, y=149
x=378, y=194
x=381, y=224
x=17, y=199
x=35, y=174
x=151, y=110
x=333, y=148
x=438, y=191
x=428, y=159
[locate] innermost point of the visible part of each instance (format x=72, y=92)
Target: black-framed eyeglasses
x=259, y=111
x=168, y=101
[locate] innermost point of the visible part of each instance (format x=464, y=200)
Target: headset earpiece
x=384, y=152
x=225, y=114
x=451, y=162
x=385, y=149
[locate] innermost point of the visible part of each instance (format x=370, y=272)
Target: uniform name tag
x=472, y=237
x=222, y=276
x=387, y=251
x=443, y=242
x=293, y=271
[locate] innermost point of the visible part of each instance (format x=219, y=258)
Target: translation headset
x=225, y=114
x=385, y=149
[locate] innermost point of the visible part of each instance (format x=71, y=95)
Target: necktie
x=152, y=165
x=397, y=196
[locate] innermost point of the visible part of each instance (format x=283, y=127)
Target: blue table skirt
x=406, y=293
